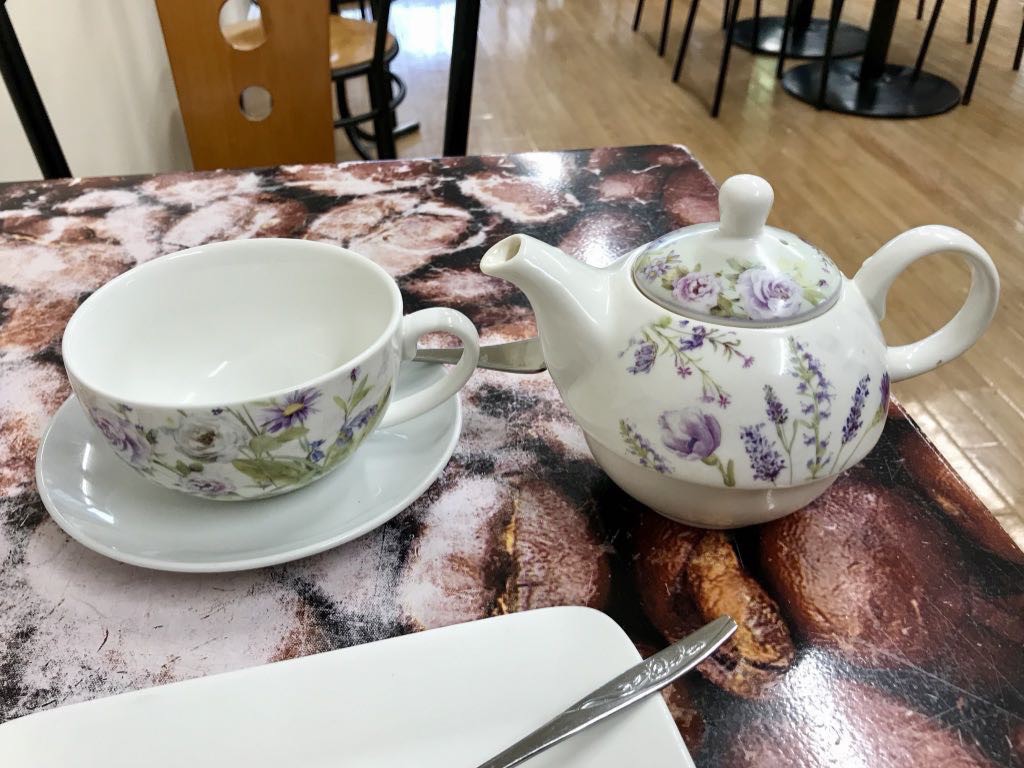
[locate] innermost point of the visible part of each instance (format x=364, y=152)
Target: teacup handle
x=877, y=274
x=433, y=320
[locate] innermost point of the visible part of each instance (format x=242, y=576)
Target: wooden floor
x=557, y=74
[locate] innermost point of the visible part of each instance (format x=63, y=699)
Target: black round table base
x=810, y=44
x=895, y=94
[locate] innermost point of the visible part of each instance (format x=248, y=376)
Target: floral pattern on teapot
x=741, y=290
x=793, y=444
x=682, y=341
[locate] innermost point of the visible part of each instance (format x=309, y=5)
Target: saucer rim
x=230, y=566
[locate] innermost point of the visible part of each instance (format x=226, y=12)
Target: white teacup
x=250, y=368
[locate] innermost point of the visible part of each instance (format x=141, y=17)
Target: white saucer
x=104, y=505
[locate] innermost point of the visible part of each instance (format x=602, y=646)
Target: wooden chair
x=283, y=53
x=360, y=49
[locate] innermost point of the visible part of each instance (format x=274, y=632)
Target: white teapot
x=726, y=374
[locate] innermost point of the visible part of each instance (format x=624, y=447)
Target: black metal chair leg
x=920, y=9
x=1020, y=48
x=383, y=129
x=756, y=31
x=685, y=41
x=724, y=68
x=787, y=24
x=636, y=16
x=972, y=12
x=826, y=62
x=986, y=26
x=406, y=128
x=725, y=14
x=927, y=38
x=351, y=131
x=665, y=21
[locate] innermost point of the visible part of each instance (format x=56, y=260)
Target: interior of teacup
x=230, y=322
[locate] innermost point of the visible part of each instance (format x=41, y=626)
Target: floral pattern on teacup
x=256, y=449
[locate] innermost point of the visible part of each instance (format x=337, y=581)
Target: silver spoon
x=618, y=693
x=523, y=356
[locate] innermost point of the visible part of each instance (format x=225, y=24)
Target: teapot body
x=726, y=374
x=699, y=420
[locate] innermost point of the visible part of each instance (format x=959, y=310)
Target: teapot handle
x=877, y=274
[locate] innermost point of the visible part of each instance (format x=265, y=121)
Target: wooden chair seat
x=246, y=35
x=351, y=40
x=352, y=43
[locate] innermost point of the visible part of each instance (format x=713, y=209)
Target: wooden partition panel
x=210, y=75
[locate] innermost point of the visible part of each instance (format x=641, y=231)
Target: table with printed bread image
x=882, y=625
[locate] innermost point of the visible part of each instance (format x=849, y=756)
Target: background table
x=871, y=86
x=806, y=39
x=882, y=626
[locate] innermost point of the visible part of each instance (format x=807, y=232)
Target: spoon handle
x=632, y=685
x=524, y=356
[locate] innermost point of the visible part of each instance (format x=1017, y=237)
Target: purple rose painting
x=128, y=441
x=698, y=291
x=768, y=295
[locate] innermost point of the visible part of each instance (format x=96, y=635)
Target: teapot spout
x=569, y=299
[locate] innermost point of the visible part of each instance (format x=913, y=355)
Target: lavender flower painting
x=816, y=392
x=785, y=431
x=766, y=462
x=769, y=455
x=883, y=400
x=854, y=420
x=641, y=449
x=682, y=341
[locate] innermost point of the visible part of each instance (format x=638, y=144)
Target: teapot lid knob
x=744, y=202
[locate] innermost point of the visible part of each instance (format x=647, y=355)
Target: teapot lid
x=738, y=271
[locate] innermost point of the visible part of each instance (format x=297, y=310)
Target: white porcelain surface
x=102, y=504
x=704, y=506
x=447, y=698
x=743, y=410
x=246, y=369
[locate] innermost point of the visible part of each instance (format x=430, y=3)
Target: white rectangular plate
x=448, y=698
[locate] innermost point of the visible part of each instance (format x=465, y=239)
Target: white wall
x=103, y=73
